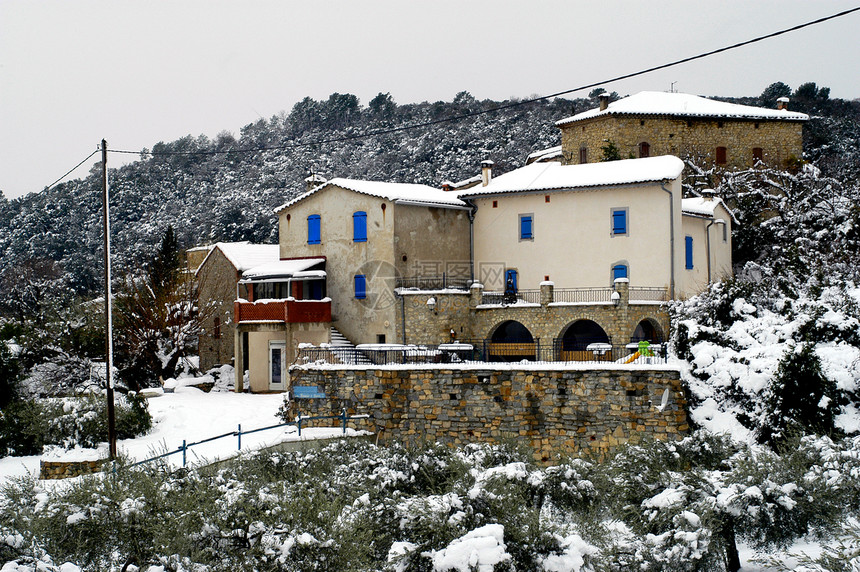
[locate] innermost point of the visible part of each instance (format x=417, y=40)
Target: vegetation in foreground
x=353, y=506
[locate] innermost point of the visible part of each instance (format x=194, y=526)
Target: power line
x=388, y=130
x=70, y=171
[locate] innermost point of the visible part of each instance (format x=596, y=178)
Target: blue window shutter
x=619, y=222
x=314, y=229
x=360, y=286
x=526, y=227
x=359, y=226
x=688, y=251
x=619, y=271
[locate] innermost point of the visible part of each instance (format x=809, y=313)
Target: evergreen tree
x=801, y=398
x=610, y=152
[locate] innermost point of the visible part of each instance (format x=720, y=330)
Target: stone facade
x=216, y=291
x=556, y=410
x=68, y=469
x=780, y=142
x=463, y=313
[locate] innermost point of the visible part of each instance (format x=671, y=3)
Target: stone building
x=218, y=275
x=649, y=124
x=343, y=245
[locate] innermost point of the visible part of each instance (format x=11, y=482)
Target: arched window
x=359, y=226
x=644, y=149
x=619, y=271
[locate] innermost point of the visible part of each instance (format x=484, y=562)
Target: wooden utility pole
x=108, y=307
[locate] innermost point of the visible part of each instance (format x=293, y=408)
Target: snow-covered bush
x=27, y=426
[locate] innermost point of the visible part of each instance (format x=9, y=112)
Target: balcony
x=288, y=311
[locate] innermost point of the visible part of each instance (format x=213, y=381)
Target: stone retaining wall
x=68, y=469
x=555, y=410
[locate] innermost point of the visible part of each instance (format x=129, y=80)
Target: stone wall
x=216, y=293
x=464, y=313
x=68, y=469
x=555, y=410
x=780, y=141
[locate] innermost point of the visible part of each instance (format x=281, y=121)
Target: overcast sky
x=139, y=72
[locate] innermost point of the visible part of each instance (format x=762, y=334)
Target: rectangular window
x=688, y=252
x=725, y=233
x=619, y=221
x=314, y=224
x=526, y=227
x=758, y=154
x=583, y=155
x=360, y=286
x=721, y=156
x=359, y=226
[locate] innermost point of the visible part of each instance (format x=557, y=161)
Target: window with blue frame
x=619, y=271
x=360, y=286
x=688, y=252
x=359, y=226
x=314, y=224
x=527, y=227
x=619, y=221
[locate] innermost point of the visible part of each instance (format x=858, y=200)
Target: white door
x=277, y=361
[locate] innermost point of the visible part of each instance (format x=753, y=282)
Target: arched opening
x=511, y=341
x=576, y=339
x=647, y=330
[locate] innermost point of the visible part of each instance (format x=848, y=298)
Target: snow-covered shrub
x=800, y=397
x=27, y=426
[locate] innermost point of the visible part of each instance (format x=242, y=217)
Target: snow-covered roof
x=544, y=155
x=404, y=193
x=683, y=105
x=292, y=268
x=555, y=176
x=244, y=255
x=701, y=206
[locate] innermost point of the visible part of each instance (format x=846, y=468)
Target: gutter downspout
x=671, y=239
x=472, y=212
x=403, y=316
x=708, y=242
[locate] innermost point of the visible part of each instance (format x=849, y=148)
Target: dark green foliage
x=27, y=426
x=157, y=321
x=164, y=268
x=801, y=398
x=344, y=506
x=9, y=374
x=773, y=92
x=610, y=152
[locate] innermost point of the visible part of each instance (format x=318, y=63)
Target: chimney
x=782, y=103
x=604, y=101
x=486, y=172
x=314, y=181
x=447, y=186
x=708, y=194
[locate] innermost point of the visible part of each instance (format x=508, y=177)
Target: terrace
x=287, y=311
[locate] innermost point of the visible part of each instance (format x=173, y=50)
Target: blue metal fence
x=183, y=449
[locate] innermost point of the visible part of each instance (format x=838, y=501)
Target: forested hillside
x=226, y=196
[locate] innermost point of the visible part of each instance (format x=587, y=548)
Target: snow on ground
x=193, y=415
